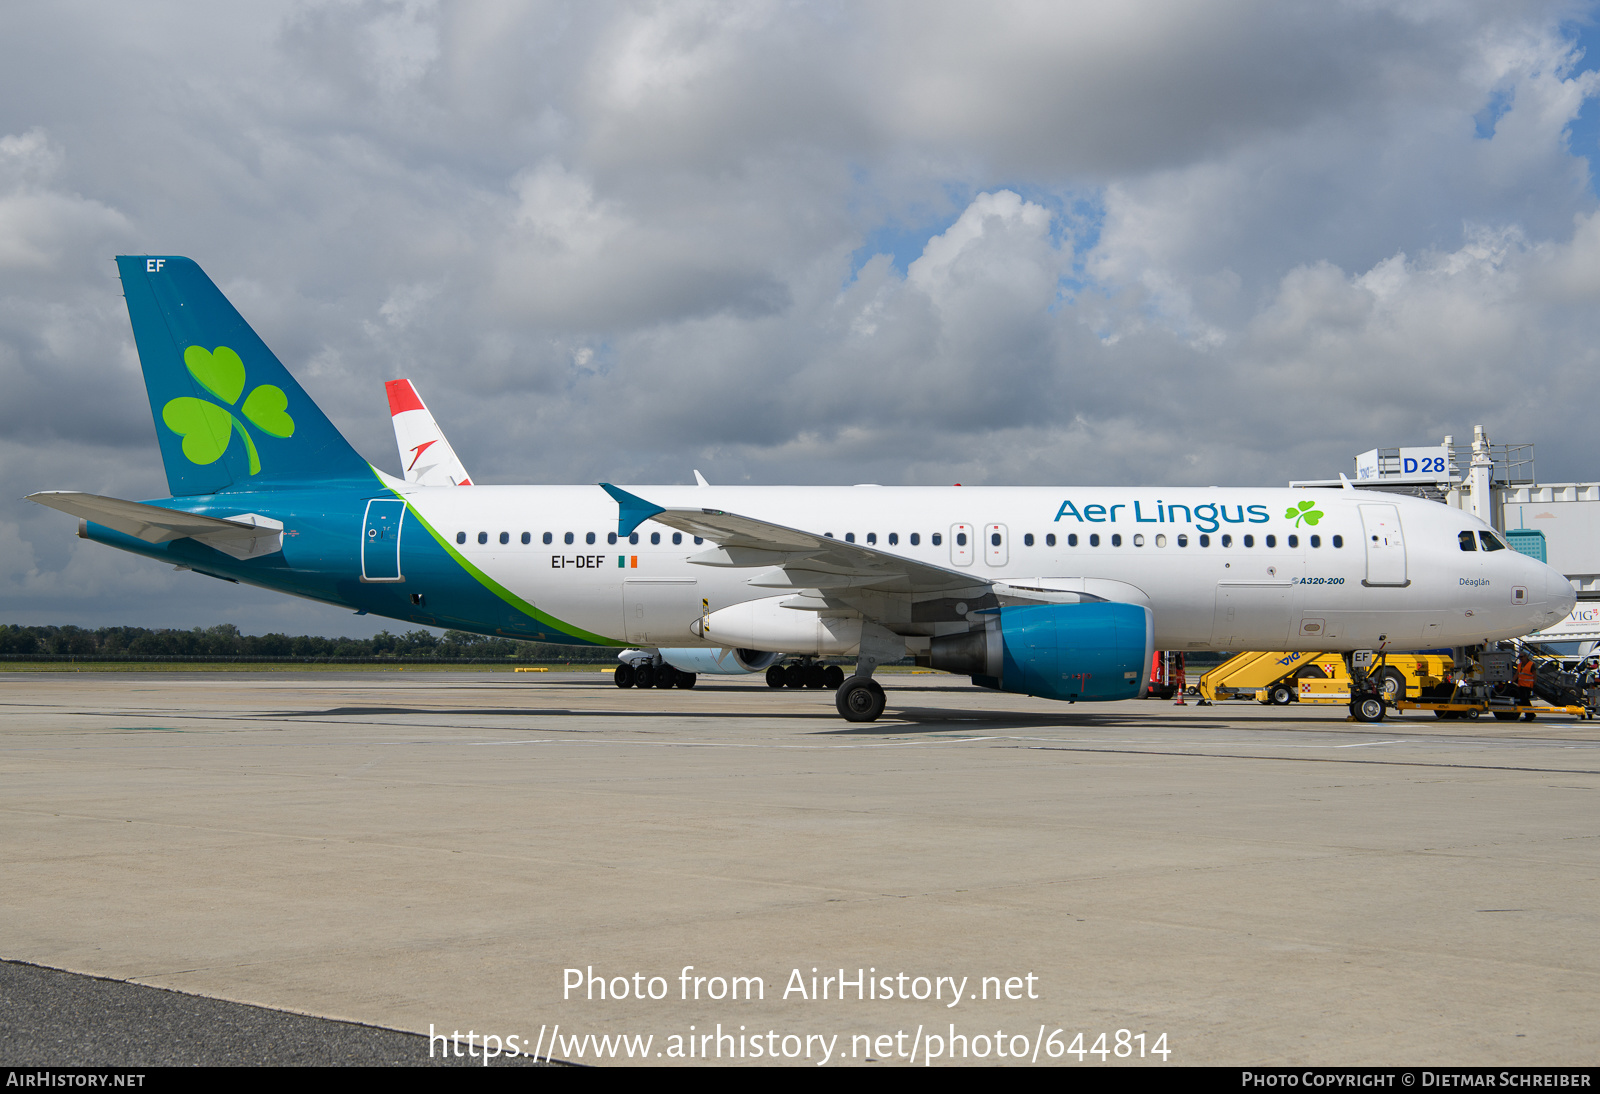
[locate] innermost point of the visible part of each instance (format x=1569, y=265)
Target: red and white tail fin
x=426, y=457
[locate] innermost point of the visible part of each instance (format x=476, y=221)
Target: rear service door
x=380, y=540
x=1386, y=545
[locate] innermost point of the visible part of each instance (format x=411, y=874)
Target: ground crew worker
x=1524, y=678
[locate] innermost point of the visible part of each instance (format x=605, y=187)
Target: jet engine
x=1075, y=652
x=723, y=662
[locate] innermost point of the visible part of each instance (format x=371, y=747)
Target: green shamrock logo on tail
x=1306, y=511
x=206, y=427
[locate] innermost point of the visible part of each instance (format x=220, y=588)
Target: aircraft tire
x=832, y=677
x=623, y=676
x=644, y=676
x=860, y=700
x=794, y=676
x=775, y=676
x=1367, y=709
x=816, y=676
x=1392, y=684
x=686, y=680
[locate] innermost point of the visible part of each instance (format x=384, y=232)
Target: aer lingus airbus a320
x=1058, y=592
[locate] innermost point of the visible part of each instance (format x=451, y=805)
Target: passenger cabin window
x=936, y=539
x=611, y=537
x=461, y=537
x=1338, y=541
x=916, y=538
x=1205, y=540
x=1183, y=540
x=1227, y=541
x=698, y=540
x=483, y=537
x=1050, y=540
x=589, y=538
x=872, y=537
x=655, y=539
x=1027, y=540
x=849, y=537
x=633, y=537
x=1094, y=539
x=1294, y=541
x=547, y=537
x=1116, y=539
x=677, y=538
x=1138, y=541
x=961, y=539
x=567, y=538
x=994, y=540
x=1468, y=543
x=527, y=538
x=894, y=539
x=1272, y=541
x=1249, y=541
x=1490, y=542
x=505, y=537
x=1316, y=541
x=1072, y=539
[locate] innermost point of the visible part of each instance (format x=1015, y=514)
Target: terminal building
x=1555, y=522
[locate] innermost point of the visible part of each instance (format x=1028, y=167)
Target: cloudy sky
x=909, y=243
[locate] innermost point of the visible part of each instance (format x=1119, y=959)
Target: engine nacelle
x=723, y=662
x=1089, y=652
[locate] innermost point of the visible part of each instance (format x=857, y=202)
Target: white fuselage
x=1226, y=569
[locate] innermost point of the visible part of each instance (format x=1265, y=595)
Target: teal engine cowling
x=1077, y=652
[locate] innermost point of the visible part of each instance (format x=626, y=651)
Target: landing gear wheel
x=644, y=676
x=1367, y=709
x=775, y=676
x=816, y=676
x=860, y=700
x=794, y=676
x=1281, y=695
x=832, y=677
x=686, y=680
x=623, y=676
x=1393, y=685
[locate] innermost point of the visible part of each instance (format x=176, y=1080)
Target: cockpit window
x=1467, y=542
x=1491, y=542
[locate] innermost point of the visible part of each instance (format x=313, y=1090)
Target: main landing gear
x=860, y=699
x=648, y=675
x=805, y=674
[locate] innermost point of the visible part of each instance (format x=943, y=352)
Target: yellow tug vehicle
x=1282, y=677
x=1405, y=681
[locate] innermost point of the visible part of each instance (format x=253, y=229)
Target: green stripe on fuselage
x=495, y=587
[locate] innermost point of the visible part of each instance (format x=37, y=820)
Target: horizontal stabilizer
x=244, y=536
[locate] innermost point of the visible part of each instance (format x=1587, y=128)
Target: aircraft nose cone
x=1559, y=596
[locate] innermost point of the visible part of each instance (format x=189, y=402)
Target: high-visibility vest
x=1525, y=674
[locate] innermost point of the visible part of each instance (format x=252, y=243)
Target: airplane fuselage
x=1224, y=569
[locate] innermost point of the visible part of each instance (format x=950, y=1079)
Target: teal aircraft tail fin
x=228, y=414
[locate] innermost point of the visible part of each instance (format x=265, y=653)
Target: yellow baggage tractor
x=1279, y=677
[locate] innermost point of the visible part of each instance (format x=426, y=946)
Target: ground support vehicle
x=1282, y=677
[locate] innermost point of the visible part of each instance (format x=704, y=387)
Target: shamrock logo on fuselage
x=206, y=427
x=1306, y=511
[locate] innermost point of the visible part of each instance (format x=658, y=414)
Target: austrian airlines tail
x=425, y=455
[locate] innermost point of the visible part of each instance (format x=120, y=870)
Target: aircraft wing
x=243, y=536
x=795, y=559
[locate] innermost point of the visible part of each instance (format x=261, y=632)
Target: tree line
x=224, y=643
